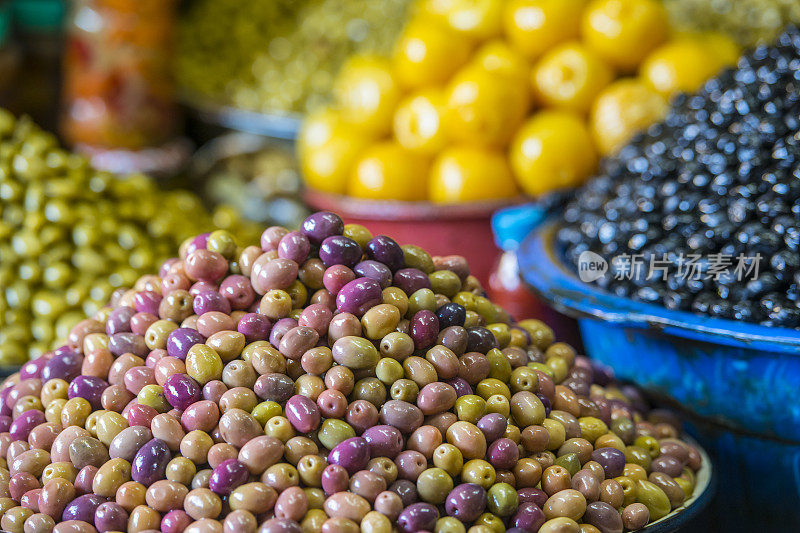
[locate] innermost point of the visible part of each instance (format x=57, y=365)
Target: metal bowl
x=275, y=125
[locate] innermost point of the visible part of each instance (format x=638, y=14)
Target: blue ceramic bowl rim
x=543, y=270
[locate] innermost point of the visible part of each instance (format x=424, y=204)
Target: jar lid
x=39, y=16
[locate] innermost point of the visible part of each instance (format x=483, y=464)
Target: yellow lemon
x=367, y=93
x=468, y=174
x=387, y=171
x=624, y=108
x=418, y=122
x=623, y=32
x=570, y=77
x=552, y=150
x=535, y=26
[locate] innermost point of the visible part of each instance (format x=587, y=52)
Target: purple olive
x=24, y=423
x=604, y=517
x=150, y=463
x=418, y=517
x=119, y=319
x=180, y=340
x=611, y=459
x=385, y=250
x=493, y=426
x=110, y=516
x=280, y=525
x=302, y=413
x=89, y=388
x=424, y=329
x=127, y=342
x=281, y=328
x=181, y=391
x=147, y=302
x=462, y=387
x=33, y=368
x=384, y=441
x=359, y=296
x=295, y=246
x=335, y=479
x=532, y=495
x=529, y=517
x=353, y=454
x=466, y=502
x=83, y=508
x=254, y=327
x=667, y=464
x=410, y=280
x=207, y=301
x=198, y=243
x=374, y=270
x=66, y=366
x=228, y=475
x=321, y=225
x=340, y=250
x=503, y=454
x=407, y=490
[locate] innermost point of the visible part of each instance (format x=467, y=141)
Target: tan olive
x=254, y=497
x=110, y=477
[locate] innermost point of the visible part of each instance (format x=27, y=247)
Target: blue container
x=740, y=382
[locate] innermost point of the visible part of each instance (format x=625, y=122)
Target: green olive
x=421, y=299
x=333, y=431
x=418, y=258
x=470, y=408
x=570, y=462
x=433, y=485
x=653, y=498
x=448, y=458
x=445, y=282
x=499, y=365
x=503, y=500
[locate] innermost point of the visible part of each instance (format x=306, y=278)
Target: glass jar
x=118, y=87
x=39, y=29
x=9, y=55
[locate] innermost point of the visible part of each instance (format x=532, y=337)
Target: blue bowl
x=743, y=376
x=737, y=383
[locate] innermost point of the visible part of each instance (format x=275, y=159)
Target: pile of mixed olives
x=70, y=235
x=716, y=186
x=327, y=380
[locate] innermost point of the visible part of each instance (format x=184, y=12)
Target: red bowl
x=462, y=229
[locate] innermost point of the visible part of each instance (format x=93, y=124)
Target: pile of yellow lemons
x=488, y=99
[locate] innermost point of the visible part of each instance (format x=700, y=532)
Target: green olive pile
x=750, y=22
x=327, y=381
x=69, y=235
x=278, y=55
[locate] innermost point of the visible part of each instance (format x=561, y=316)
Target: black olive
x=711, y=194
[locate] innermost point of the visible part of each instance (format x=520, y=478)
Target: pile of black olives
x=716, y=184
